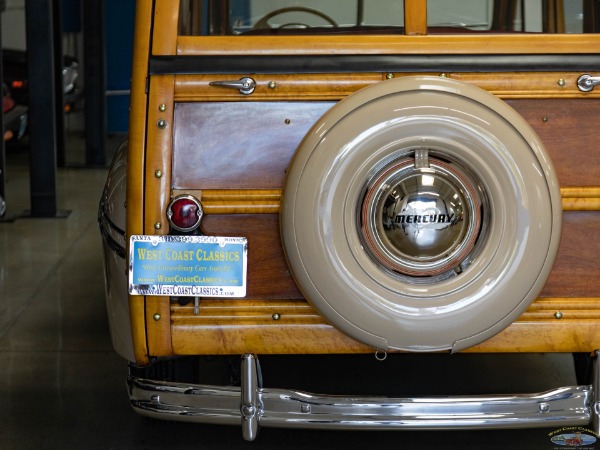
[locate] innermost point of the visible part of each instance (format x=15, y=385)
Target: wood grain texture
x=158, y=155
x=255, y=154
x=280, y=327
x=336, y=86
x=447, y=44
x=267, y=201
x=136, y=160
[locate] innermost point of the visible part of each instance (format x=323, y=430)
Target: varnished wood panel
x=457, y=44
x=268, y=274
x=564, y=128
x=275, y=327
x=267, y=201
x=158, y=155
x=256, y=141
x=158, y=326
x=278, y=327
x=415, y=17
x=135, y=166
x=575, y=272
x=577, y=268
x=238, y=145
x=336, y=86
x=280, y=87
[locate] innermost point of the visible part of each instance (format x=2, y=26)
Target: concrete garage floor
x=63, y=387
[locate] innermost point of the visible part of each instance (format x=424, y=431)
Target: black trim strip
x=182, y=65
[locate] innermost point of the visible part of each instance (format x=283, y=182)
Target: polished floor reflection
x=62, y=386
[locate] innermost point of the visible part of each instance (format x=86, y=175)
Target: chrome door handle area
x=587, y=83
x=245, y=85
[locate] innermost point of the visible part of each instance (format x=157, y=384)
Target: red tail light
x=184, y=213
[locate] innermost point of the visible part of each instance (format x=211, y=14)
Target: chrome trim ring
x=421, y=216
x=199, y=213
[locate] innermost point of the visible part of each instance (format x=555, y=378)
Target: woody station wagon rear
x=354, y=177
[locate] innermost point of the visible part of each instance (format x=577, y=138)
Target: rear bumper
x=251, y=405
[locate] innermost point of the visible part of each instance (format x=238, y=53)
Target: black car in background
x=16, y=77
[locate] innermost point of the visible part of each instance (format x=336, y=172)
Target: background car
x=16, y=77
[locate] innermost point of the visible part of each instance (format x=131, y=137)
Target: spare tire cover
x=421, y=214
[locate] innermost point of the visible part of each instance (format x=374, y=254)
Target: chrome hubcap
x=423, y=216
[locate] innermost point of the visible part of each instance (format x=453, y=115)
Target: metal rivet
x=276, y=316
x=304, y=408
x=248, y=411
x=161, y=123
x=287, y=121
x=544, y=119
x=443, y=75
x=389, y=76
x=156, y=317
x=158, y=173
x=558, y=315
x=561, y=82
x=157, y=226
x=544, y=407
x=272, y=85
x=162, y=107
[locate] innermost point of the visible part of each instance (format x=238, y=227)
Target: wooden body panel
x=256, y=141
x=456, y=44
x=251, y=203
x=574, y=273
x=564, y=318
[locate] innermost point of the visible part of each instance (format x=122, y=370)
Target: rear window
x=284, y=17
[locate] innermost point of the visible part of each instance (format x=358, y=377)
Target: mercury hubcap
x=423, y=216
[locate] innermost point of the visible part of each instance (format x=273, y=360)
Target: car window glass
x=248, y=17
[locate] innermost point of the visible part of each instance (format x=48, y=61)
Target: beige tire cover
x=499, y=243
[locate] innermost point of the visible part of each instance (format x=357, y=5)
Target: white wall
x=13, y=25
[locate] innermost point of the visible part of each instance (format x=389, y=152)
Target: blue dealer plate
x=188, y=266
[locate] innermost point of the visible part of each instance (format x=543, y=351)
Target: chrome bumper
x=251, y=405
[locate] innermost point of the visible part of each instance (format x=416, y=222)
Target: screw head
x=272, y=85
x=156, y=317
x=558, y=315
x=561, y=82
x=389, y=76
x=161, y=124
x=248, y=411
x=162, y=107
x=158, y=173
x=157, y=226
x=276, y=316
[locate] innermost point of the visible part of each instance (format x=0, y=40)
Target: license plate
x=188, y=266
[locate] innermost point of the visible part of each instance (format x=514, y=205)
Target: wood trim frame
x=135, y=165
x=267, y=201
x=451, y=44
x=155, y=21
x=280, y=326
